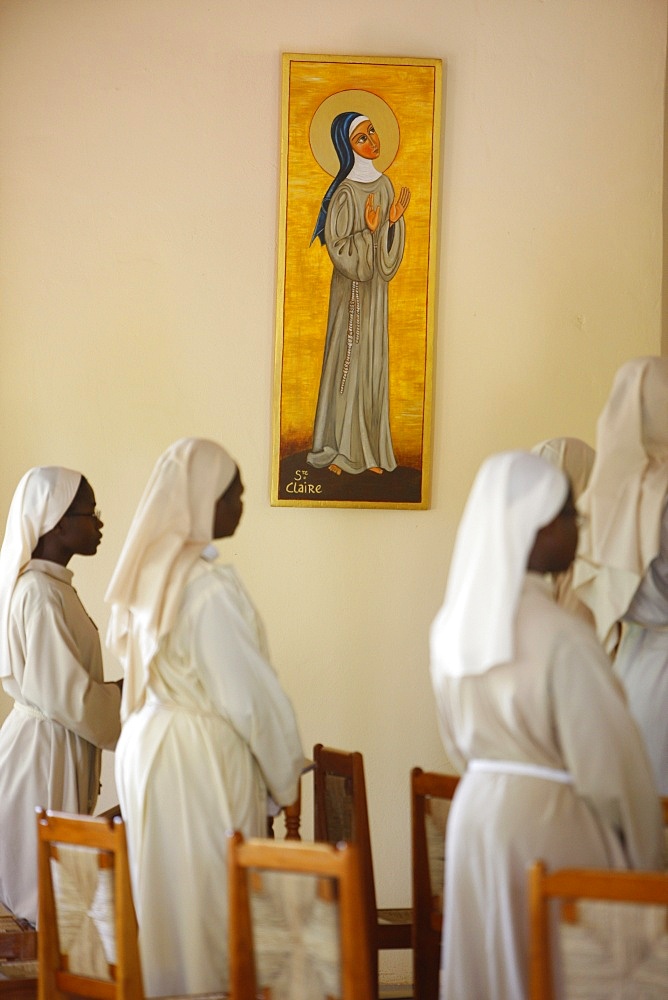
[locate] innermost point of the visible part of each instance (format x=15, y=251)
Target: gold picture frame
x=356, y=281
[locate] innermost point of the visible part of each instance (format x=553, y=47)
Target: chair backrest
x=339, y=796
x=610, y=928
x=297, y=927
x=340, y=811
x=431, y=798
x=87, y=939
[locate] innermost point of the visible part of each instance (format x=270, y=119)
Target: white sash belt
x=28, y=710
x=521, y=768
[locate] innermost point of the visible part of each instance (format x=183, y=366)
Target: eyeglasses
x=97, y=513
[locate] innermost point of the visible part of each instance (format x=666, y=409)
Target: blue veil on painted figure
x=344, y=151
x=361, y=224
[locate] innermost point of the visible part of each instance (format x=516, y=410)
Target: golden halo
x=365, y=103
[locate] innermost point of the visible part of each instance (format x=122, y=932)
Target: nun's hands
x=400, y=205
x=371, y=214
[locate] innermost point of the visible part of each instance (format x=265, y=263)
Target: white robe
x=63, y=714
x=196, y=760
x=642, y=660
x=555, y=705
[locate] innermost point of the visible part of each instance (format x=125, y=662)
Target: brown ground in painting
x=300, y=481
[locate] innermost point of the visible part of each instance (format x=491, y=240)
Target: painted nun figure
x=361, y=224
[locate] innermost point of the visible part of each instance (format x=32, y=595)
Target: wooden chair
x=611, y=927
x=18, y=957
x=297, y=921
x=18, y=939
x=87, y=943
x=111, y=813
x=21, y=983
x=340, y=814
x=431, y=798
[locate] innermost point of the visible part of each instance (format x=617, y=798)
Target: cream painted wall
x=138, y=232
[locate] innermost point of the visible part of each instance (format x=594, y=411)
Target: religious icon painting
x=356, y=281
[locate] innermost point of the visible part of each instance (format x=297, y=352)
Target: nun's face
x=365, y=141
x=228, y=510
x=80, y=527
x=556, y=544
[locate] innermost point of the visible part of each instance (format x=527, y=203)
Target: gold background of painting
x=412, y=90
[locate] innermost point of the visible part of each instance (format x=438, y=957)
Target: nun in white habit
x=207, y=730
x=622, y=566
x=553, y=764
x=64, y=713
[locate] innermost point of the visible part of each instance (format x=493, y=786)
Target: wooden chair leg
x=293, y=817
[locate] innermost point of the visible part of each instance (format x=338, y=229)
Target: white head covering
x=627, y=488
x=363, y=170
x=574, y=456
x=171, y=527
x=40, y=500
x=513, y=496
